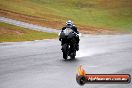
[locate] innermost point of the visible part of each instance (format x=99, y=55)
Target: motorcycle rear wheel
x=65, y=53
x=65, y=56
x=73, y=55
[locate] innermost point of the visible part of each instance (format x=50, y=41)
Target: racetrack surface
x=39, y=64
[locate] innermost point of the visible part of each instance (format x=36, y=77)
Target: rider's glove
x=59, y=39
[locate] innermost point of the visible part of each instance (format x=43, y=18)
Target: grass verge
x=11, y=33
x=89, y=15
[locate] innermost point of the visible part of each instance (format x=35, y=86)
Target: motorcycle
x=68, y=39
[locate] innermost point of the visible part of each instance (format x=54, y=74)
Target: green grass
x=111, y=14
x=11, y=33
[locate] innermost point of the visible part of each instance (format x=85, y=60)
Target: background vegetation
x=11, y=33
x=106, y=14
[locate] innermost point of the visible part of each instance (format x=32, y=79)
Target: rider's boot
x=77, y=47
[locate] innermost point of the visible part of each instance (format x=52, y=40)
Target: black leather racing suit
x=77, y=37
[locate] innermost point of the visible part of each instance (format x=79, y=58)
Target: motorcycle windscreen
x=67, y=31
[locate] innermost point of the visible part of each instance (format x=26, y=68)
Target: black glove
x=59, y=39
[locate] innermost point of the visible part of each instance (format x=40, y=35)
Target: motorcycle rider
x=69, y=24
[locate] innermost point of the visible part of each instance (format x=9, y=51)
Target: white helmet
x=69, y=23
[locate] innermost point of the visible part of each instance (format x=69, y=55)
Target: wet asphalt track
x=39, y=64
